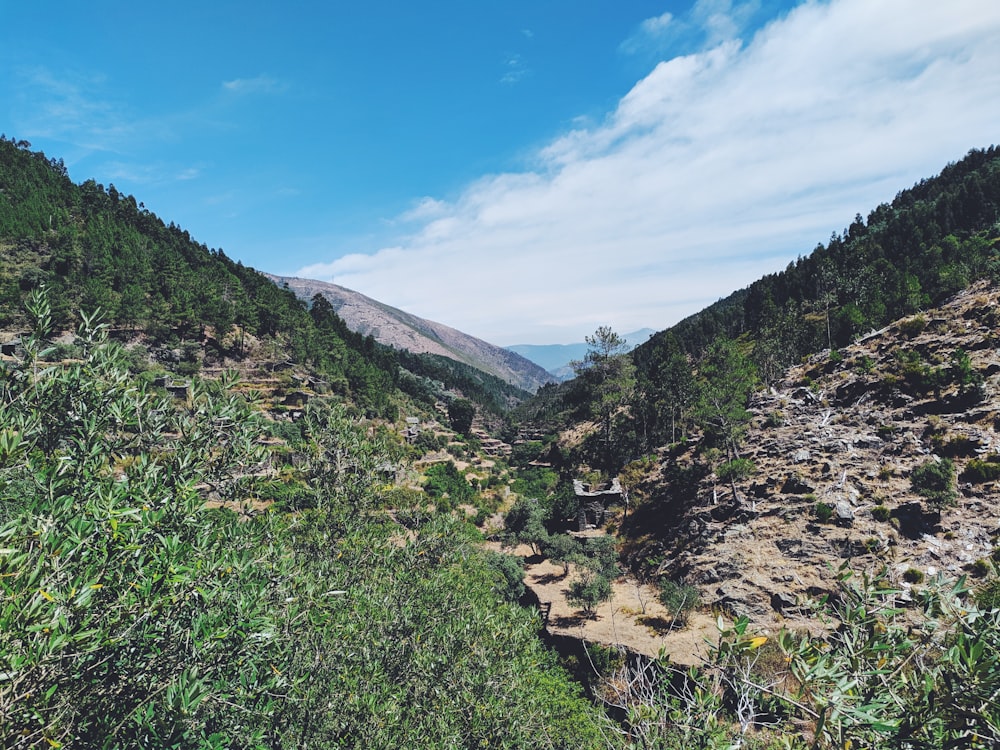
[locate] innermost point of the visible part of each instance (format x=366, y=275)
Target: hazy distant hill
x=393, y=327
x=555, y=358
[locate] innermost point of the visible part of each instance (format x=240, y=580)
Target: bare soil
x=633, y=618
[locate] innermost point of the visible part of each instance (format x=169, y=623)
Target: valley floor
x=632, y=618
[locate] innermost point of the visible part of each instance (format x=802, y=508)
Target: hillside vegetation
x=814, y=458
x=134, y=615
x=932, y=241
x=218, y=563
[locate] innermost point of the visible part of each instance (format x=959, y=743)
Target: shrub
x=913, y=575
x=956, y=445
x=824, y=512
x=913, y=326
x=980, y=470
x=588, y=591
x=509, y=572
x=735, y=470
x=775, y=419
x=679, y=599
x=601, y=556
x=444, y=479
x=988, y=594
x=980, y=568
x=563, y=549
x=935, y=481
x=880, y=513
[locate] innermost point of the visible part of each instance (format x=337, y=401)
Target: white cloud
x=71, y=107
x=717, y=167
x=650, y=35
x=708, y=23
x=515, y=70
x=188, y=173
x=261, y=84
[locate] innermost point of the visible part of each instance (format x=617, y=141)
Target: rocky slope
x=401, y=330
x=835, y=445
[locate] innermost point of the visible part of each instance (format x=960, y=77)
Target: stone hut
x=594, y=501
x=412, y=430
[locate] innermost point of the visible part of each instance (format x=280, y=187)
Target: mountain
x=931, y=241
x=401, y=330
x=839, y=451
x=556, y=358
x=93, y=248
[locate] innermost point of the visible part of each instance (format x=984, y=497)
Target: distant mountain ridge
x=402, y=330
x=556, y=358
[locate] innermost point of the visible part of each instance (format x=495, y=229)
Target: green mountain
x=94, y=248
x=931, y=241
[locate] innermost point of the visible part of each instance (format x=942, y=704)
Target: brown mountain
x=393, y=327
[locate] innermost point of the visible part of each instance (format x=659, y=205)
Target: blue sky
x=525, y=171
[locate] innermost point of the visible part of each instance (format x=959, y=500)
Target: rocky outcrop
x=835, y=444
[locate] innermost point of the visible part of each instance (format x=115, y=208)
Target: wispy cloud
x=71, y=107
x=149, y=173
x=651, y=35
x=261, y=84
x=719, y=166
x=707, y=24
x=515, y=70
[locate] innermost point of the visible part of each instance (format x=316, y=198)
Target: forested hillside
x=93, y=248
x=199, y=565
x=837, y=516
x=930, y=242
x=933, y=240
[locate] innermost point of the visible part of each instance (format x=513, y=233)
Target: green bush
x=880, y=513
x=679, y=599
x=980, y=568
x=979, y=470
x=589, y=590
x=935, y=481
x=864, y=364
x=988, y=594
x=913, y=326
x=823, y=511
x=913, y=575
x=509, y=572
x=445, y=482
x=774, y=419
